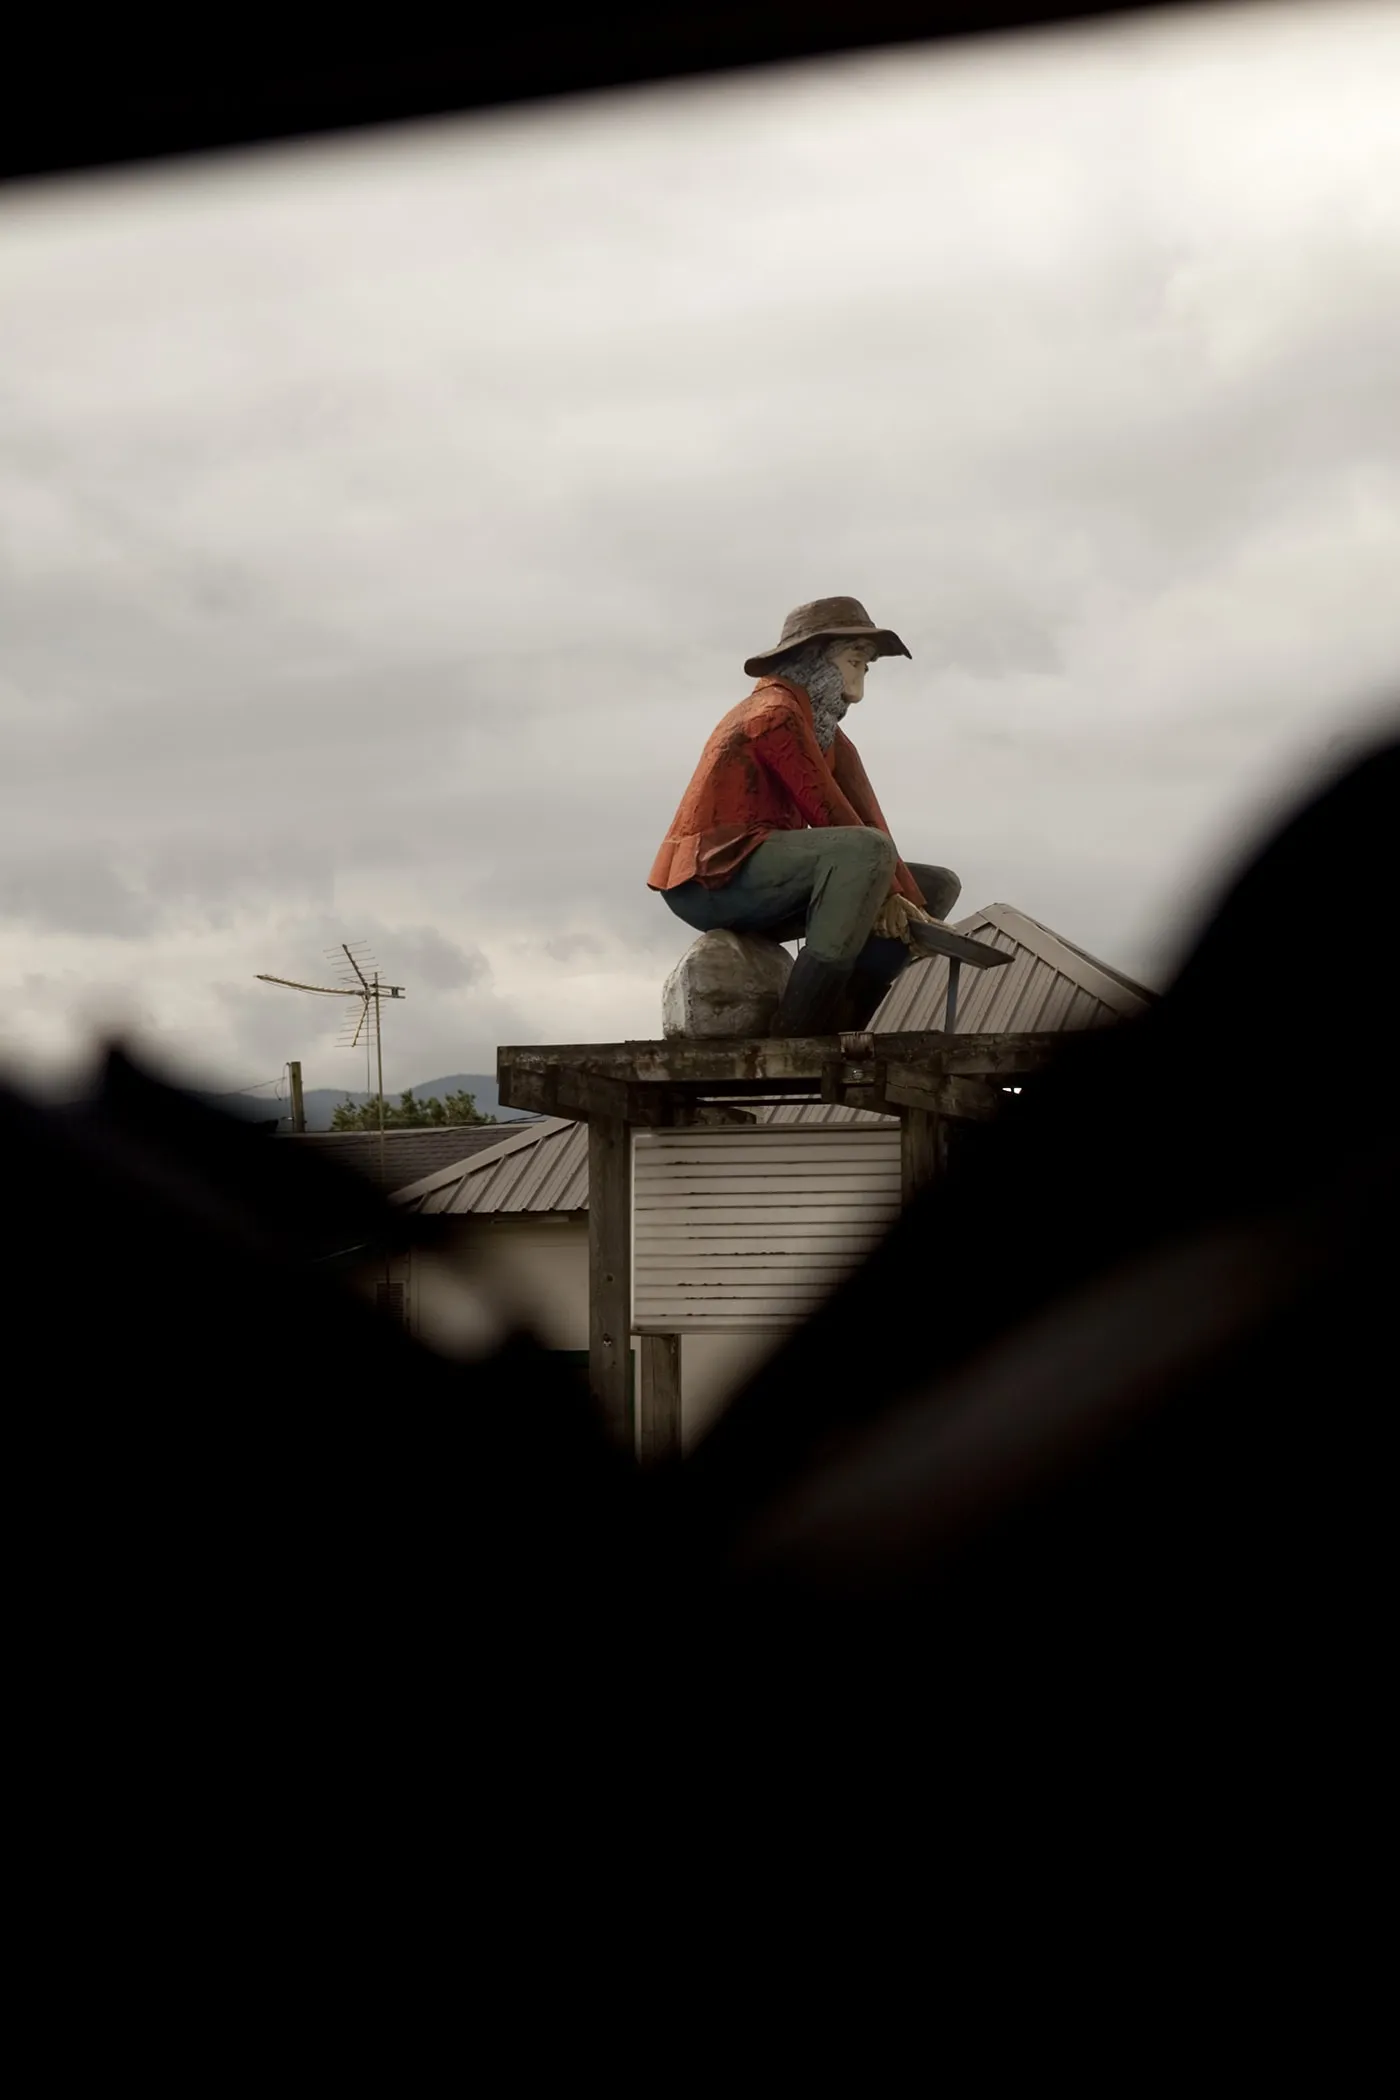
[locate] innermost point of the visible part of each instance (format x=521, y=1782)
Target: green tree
x=410, y=1114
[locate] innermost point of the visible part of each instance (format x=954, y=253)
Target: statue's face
x=852, y=659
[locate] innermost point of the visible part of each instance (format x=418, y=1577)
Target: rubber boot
x=812, y=1003
x=863, y=997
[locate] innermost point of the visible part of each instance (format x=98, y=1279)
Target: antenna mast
x=369, y=991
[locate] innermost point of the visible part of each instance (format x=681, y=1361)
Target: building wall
x=534, y=1270
x=752, y=1225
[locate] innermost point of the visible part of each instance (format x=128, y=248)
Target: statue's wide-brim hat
x=827, y=620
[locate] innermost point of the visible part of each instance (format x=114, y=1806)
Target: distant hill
x=322, y=1101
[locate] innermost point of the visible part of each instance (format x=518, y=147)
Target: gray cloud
x=439, y=964
x=77, y=891
x=569, y=948
x=383, y=526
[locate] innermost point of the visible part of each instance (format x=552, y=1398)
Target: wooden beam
x=967, y=1100
x=998, y=1056
x=584, y=1095
x=644, y=1082
x=751, y=1062
x=660, y=1413
x=537, y=1091
x=610, y=1272
x=907, y=1087
x=922, y=1138
x=671, y=1060
x=588, y=1094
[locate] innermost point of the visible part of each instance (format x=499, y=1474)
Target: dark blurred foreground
x=373, y=1725
x=1059, y=1523
x=131, y=88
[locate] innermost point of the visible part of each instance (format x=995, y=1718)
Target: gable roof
x=542, y=1168
x=1051, y=984
x=408, y=1154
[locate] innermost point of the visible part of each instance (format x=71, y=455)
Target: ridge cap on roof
x=413, y=1130
x=423, y=1140
x=515, y=1141
x=1000, y=913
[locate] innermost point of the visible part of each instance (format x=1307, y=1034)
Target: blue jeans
x=824, y=885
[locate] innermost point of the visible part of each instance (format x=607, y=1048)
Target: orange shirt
x=764, y=771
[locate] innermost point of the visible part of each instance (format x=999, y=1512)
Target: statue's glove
x=896, y=914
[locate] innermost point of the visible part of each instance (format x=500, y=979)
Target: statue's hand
x=889, y=919
x=895, y=916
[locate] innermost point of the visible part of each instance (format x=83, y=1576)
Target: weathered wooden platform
x=667, y=1083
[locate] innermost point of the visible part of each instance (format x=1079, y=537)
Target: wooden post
x=298, y=1103
x=660, y=1426
x=610, y=1272
x=922, y=1142
x=950, y=1004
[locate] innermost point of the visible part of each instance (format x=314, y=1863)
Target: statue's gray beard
x=821, y=680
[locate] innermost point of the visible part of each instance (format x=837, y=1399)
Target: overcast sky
x=383, y=526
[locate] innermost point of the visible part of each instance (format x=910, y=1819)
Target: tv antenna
x=360, y=981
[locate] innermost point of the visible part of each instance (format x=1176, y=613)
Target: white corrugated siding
x=743, y=1229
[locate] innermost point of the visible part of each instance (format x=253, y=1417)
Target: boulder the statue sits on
x=779, y=833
